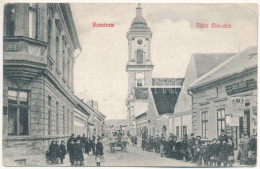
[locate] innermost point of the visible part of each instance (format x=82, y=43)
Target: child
x=162, y=147
x=213, y=152
x=230, y=147
x=197, y=149
x=62, y=151
x=99, y=152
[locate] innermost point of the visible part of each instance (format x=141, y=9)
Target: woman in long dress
x=240, y=147
x=63, y=151
x=52, y=152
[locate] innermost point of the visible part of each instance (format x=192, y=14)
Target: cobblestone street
x=133, y=157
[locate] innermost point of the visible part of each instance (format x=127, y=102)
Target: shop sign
x=234, y=121
x=240, y=87
x=238, y=100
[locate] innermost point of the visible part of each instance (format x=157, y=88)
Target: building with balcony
x=40, y=43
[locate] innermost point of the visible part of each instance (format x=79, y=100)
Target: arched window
x=139, y=76
x=139, y=56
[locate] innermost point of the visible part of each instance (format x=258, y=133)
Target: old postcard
x=129, y=84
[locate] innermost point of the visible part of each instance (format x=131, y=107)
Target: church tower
x=139, y=67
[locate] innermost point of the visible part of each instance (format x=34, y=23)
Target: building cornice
x=224, y=78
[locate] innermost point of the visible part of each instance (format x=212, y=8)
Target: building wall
x=42, y=77
x=182, y=120
x=80, y=123
x=215, y=97
x=38, y=140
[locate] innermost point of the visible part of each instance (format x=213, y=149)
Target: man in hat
x=191, y=144
x=78, y=153
x=70, y=144
x=199, y=139
x=223, y=136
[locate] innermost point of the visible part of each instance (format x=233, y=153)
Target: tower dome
x=139, y=22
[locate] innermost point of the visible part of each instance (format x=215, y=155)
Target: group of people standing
x=56, y=151
x=216, y=152
x=76, y=147
x=247, y=149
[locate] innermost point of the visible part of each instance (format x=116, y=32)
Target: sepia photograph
x=123, y=84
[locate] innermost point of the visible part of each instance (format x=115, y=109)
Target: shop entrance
x=244, y=123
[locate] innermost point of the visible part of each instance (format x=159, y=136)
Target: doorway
x=244, y=123
x=164, y=129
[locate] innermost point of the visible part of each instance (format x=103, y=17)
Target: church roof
x=165, y=99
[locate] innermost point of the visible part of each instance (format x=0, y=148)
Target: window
x=64, y=57
x=49, y=115
x=177, y=132
x=50, y=64
x=68, y=68
x=63, y=120
x=221, y=121
x=18, y=113
x=9, y=19
x=139, y=56
x=139, y=76
x=183, y=131
x=139, y=83
x=49, y=34
x=57, y=43
x=72, y=122
x=33, y=21
x=68, y=118
x=204, y=120
x=57, y=118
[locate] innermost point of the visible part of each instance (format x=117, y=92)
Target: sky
x=99, y=71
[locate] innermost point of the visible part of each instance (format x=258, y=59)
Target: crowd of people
x=76, y=147
x=215, y=153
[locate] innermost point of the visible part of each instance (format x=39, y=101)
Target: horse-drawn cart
x=118, y=144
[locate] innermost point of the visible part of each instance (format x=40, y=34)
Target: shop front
x=226, y=99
